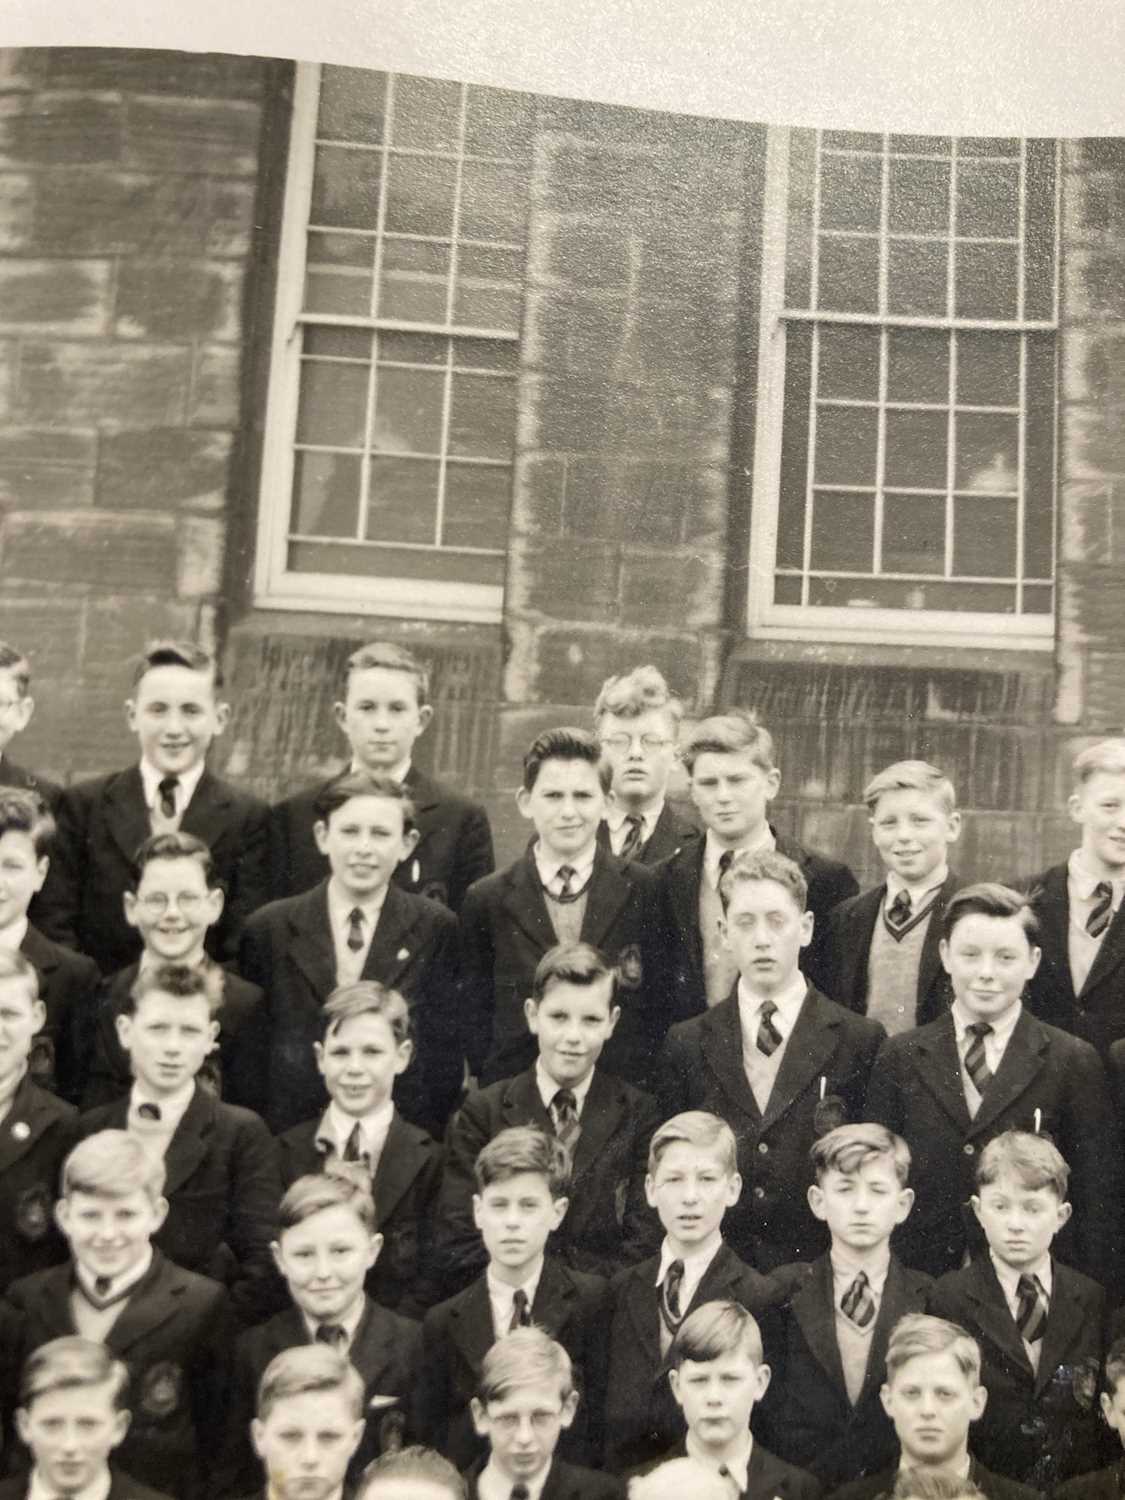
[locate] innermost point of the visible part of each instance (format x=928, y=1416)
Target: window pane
x=917, y=365
x=414, y=281
x=493, y=202
x=848, y=363
x=477, y=502
x=482, y=422
x=986, y=281
x=1038, y=599
x=351, y=104
x=851, y=189
x=794, y=447
x=987, y=452
x=988, y=145
x=786, y=589
x=413, y=348
x=499, y=123
x=427, y=113
x=845, y=445
x=988, y=198
x=489, y=290
x=402, y=502
x=325, y=493
x=843, y=531
x=345, y=191
x=343, y=292
x=333, y=404
x=916, y=449
x=888, y=593
x=343, y=343
x=365, y=560
x=856, y=140
x=486, y=354
x=420, y=195
x=921, y=145
x=918, y=278
x=988, y=369
x=919, y=197
x=848, y=278
x=984, y=537
x=913, y=534
x=408, y=406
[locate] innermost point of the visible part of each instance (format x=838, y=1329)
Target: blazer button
x=763, y=1147
x=759, y=1192
x=970, y=1149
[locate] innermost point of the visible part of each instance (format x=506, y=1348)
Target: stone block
x=133, y=554
x=17, y=210
x=1085, y=519
x=215, y=394
x=48, y=626
x=116, y=212
x=1095, y=280
x=192, y=135
x=118, y=626
x=563, y=253
x=539, y=488
x=68, y=297
x=568, y=334
x=567, y=416
x=199, y=565
x=164, y=468
x=57, y=129
x=572, y=664
x=599, y=183
x=179, y=300
x=665, y=590
x=94, y=383
x=567, y=580
x=43, y=468
x=230, y=218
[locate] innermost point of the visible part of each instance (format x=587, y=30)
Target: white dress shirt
x=349, y=965
x=854, y=1343
x=13, y=935
x=336, y=1127
x=737, y=1464
x=95, y=1322
x=548, y=1088
x=348, y=1320
x=187, y=781
x=1082, y=948
x=920, y=892
x=995, y=1045
x=156, y=1134
x=616, y=817
x=761, y=1071
x=549, y=866
x=695, y=1268
x=97, y=1489
x=492, y=1485
x=1009, y=1279
x=713, y=852
x=501, y=1296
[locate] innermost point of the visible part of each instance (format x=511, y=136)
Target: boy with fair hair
x=828, y=1366
x=605, y=1122
x=882, y=946
x=309, y=1423
x=385, y=709
x=637, y=721
x=522, y=1179
x=526, y=1399
x=16, y=708
x=678, y=1478
x=413, y=1473
x=770, y=1058
x=730, y=759
x=167, y=1324
x=1039, y=1324
x=1105, y=1484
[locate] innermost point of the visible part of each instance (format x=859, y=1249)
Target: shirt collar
x=13, y=935
x=500, y=1291
x=649, y=816
x=916, y=890
x=491, y=1483
x=549, y=865
x=1009, y=1276
x=737, y=1464
x=117, y=1283
x=349, y=1322
x=846, y=1266
x=336, y=1126
x=188, y=781
x=172, y=1107
x=397, y=773
x=695, y=1263
x=548, y=1088
x=713, y=851
x=1002, y=1026
x=97, y=1489
x=962, y=1471
x=1083, y=880
x=788, y=1002
x=341, y=905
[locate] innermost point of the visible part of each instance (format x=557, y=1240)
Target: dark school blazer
x=385, y=1351
x=670, y=834
x=170, y=1334
x=563, y=1482
x=916, y=1090
x=829, y=882
x=35, y=1138
x=102, y=823
x=505, y=931
x=995, y=1486
x=121, y=1487
x=1038, y=1427
x=405, y=1186
x=14, y=775
x=287, y=949
x=608, y=1222
x=702, y=1068
x=766, y=1475
x=847, y=951
x=458, y=1333
x=223, y=1188
x=1099, y=1484
x=1096, y=1015
x=68, y=985
x=454, y=845
x=809, y=1419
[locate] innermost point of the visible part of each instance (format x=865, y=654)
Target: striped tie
x=167, y=793
x=670, y=1296
x=521, y=1311
x=566, y=876
x=980, y=1074
x=769, y=1038
x=1102, y=909
x=354, y=938
x=1031, y=1309
x=634, y=828
x=567, y=1126
x=898, y=913
x=857, y=1303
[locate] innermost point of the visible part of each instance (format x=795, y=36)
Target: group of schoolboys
x=703, y=1069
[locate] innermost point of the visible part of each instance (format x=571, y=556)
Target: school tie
x=634, y=831
x=166, y=791
x=567, y=1126
x=521, y=1311
x=977, y=1068
x=1031, y=1309
x=566, y=883
x=1102, y=910
x=332, y=1334
x=769, y=1038
x=520, y=1491
x=670, y=1296
x=355, y=930
x=726, y=859
x=857, y=1303
x=148, y=1111
x=353, y=1149
x=898, y=913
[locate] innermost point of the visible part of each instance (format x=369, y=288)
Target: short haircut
x=391, y=658
x=730, y=734
x=367, y=997
x=524, y=1148
x=635, y=693
x=1106, y=755
x=24, y=811
x=172, y=845
x=71, y=1363
x=13, y=660
x=570, y=963
x=912, y=776
x=918, y=1334
x=848, y=1148
x=715, y=1330
x=412, y=1463
x=337, y=1186
x=1033, y=1160
x=13, y=965
x=166, y=652
x=1115, y=1365
x=989, y=899
x=306, y=1369
x=695, y=1127
x=527, y=1356
x=335, y=793
x=934, y=1484
x=565, y=744
x=113, y=1164
x=178, y=980
x=767, y=865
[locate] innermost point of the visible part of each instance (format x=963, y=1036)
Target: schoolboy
x=166, y=1324
x=525, y=1401
x=637, y=722
x=522, y=1179
x=882, y=955
x=1106, y=1483
x=385, y=709
x=987, y=1066
x=174, y=902
x=222, y=1181
x=605, y=1122
x=730, y=759
x=326, y=1243
x=677, y=1479
x=72, y=1415
x=933, y=1395
x=413, y=1473
x=826, y=1415
x=37, y=1129
x=366, y=1046
x=16, y=708
x=357, y=924
x=718, y=1374
x=309, y=1424
x=564, y=888
x=692, y=1181
x=67, y=980
x=1078, y=906
x=1039, y=1324
x=767, y=1058
x=176, y=712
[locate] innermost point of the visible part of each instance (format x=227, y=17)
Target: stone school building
x=830, y=423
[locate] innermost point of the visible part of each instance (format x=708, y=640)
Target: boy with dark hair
x=385, y=708
x=565, y=888
x=16, y=708
x=176, y=712
x=770, y=1059
x=987, y=1065
x=605, y=1122
x=358, y=925
x=309, y=1424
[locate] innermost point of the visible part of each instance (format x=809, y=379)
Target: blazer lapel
x=814, y=1308
x=643, y=1310
x=1109, y=955
x=400, y=1161
x=29, y=1117
x=188, y=1145
x=929, y=961
x=207, y=815
x=602, y=1113
x=310, y=941
x=608, y=894
x=521, y=1103
x=523, y=902
x=853, y=953
x=371, y=1350
x=1066, y=1315
x=939, y=1068
x=1019, y=1067
x=993, y=1318
x=470, y=1325
x=126, y=813
x=392, y=946
x=720, y=1042
x=683, y=877
x=552, y=1297
x=36, y=949
x=1053, y=909
x=811, y=1045
x=52, y=1305
x=143, y=1314
x=892, y=1305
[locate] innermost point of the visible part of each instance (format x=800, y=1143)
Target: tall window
x=388, y=467
x=905, y=473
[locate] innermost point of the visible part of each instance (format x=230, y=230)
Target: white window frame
x=766, y=620
x=275, y=586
